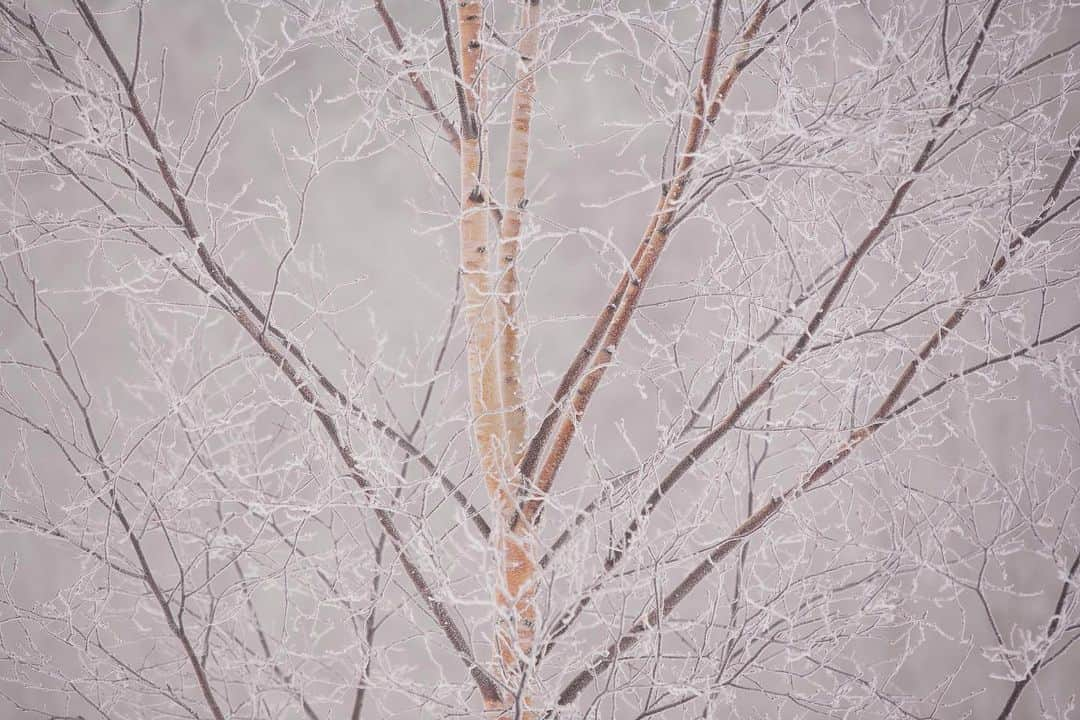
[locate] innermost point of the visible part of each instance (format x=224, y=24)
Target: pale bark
x=515, y=566
x=510, y=241
x=517, y=600
x=485, y=396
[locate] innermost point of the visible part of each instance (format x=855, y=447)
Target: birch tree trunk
x=520, y=553
x=821, y=464
x=493, y=355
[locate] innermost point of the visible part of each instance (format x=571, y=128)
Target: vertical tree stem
x=516, y=601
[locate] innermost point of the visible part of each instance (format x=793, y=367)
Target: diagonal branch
x=414, y=77
x=769, y=510
x=979, y=367
x=1067, y=587
x=803, y=342
x=112, y=504
x=705, y=114
x=539, y=440
x=697, y=412
x=438, y=609
x=43, y=142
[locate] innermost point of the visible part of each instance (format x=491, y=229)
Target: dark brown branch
x=978, y=367
x=468, y=121
x=174, y=624
x=765, y=513
x=696, y=413
x=414, y=77
x=237, y=292
x=802, y=343
x=1051, y=628
x=453, y=633
x=707, y=105
x=593, y=341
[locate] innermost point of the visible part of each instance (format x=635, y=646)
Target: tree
x=538, y=359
